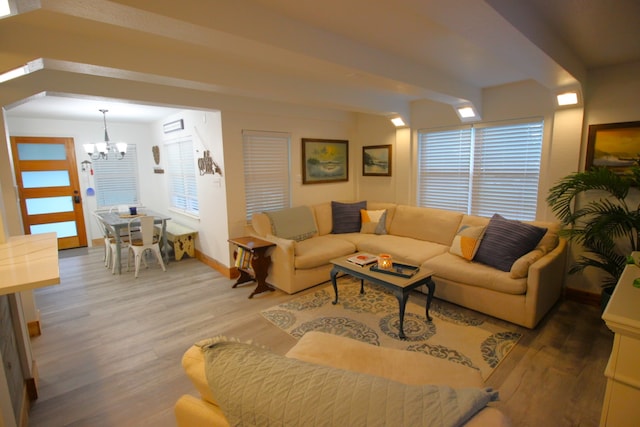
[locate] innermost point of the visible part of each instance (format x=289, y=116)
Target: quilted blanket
x=255, y=387
x=293, y=223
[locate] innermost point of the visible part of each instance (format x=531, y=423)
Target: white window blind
x=266, y=171
x=507, y=170
x=181, y=176
x=116, y=181
x=481, y=170
x=444, y=169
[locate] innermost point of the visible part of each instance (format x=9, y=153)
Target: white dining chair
x=143, y=240
x=108, y=238
x=110, y=245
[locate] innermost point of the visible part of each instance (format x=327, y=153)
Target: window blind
x=116, y=181
x=444, y=169
x=181, y=176
x=481, y=170
x=266, y=171
x=507, y=170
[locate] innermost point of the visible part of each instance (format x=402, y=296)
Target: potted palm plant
x=596, y=211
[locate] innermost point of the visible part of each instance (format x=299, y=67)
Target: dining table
x=119, y=221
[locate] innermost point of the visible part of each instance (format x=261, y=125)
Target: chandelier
x=101, y=150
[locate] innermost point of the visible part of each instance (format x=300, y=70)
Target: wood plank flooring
x=110, y=349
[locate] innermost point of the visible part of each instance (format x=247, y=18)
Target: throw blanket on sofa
x=255, y=387
x=293, y=223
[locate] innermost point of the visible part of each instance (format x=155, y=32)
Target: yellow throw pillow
x=466, y=242
x=373, y=222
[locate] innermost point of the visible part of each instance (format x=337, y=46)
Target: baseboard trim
x=34, y=328
x=225, y=271
x=584, y=297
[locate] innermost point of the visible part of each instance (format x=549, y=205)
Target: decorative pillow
x=507, y=240
x=466, y=241
x=520, y=268
x=255, y=387
x=373, y=221
x=346, y=217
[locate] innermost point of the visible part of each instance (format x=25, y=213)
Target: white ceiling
x=356, y=55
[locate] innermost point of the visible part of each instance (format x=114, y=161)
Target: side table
x=256, y=267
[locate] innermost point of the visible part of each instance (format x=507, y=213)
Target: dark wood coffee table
x=399, y=286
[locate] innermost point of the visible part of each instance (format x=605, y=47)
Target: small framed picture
x=324, y=160
x=376, y=160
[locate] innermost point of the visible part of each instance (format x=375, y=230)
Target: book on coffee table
x=362, y=259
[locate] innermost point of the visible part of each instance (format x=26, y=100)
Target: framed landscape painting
x=613, y=145
x=376, y=160
x=324, y=160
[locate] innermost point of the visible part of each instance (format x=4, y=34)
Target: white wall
x=303, y=123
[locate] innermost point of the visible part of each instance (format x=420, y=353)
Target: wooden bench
x=182, y=238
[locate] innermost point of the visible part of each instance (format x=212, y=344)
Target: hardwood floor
x=110, y=349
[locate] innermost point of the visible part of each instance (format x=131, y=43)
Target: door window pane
x=45, y=205
x=41, y=152
x=64, y=229
x=45, y=179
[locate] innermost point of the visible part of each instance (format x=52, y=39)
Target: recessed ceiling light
x=397, y=121
x=466, y=112
x=567, y=98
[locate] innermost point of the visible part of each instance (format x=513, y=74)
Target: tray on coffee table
x=397, y=269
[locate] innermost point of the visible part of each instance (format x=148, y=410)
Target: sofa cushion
x=431, y=225
x=373, y=221
x=322, y=212
x=466, y=241
x=403, y=249
x=520, y=268
x=257, y=387
x=507, y=240
x=346, y=216
x=319, y=250
x=457, y=269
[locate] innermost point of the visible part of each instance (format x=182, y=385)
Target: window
x=116, y=180
x=266, y=171
x=481, y=170
x=181, y=176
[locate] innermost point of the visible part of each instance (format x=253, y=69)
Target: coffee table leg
x=334, y=274
x=432, y=289
x=402, y=302
x=361, y=286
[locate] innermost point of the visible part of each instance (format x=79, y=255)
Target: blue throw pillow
x=507, y=240
x=346, y=217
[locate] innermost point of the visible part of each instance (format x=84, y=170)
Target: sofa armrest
x=193, y=412
x=545, y=283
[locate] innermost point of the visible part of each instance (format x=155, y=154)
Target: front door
x=49, y=189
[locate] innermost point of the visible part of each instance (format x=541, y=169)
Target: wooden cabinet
x=622, y=397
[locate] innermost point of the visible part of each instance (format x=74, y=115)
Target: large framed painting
x=376, y=160
x=324, y=160
x=613, y=145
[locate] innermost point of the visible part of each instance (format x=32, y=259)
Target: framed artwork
x=376, y=160
x=324, y=160
x=613, y=145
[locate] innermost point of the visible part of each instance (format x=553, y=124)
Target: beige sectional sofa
x=424, y=237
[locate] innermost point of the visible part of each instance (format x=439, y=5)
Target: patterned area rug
x=455, y=333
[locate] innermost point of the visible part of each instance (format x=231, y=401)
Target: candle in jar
x=385, y=262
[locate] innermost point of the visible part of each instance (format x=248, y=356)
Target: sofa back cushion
x=322, y=212
x=433, y=225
